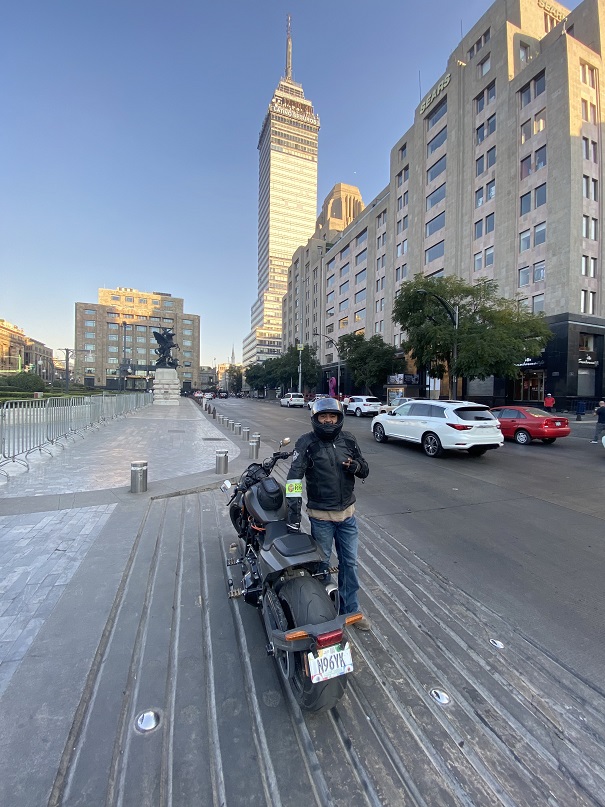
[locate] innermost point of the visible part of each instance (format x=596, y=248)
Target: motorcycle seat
x=287, y=543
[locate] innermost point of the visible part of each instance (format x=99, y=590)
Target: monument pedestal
x=166, y=387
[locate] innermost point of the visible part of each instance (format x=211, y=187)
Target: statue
x=166, y=343
x=332, y=387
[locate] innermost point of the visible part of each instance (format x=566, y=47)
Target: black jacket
x=329, y=485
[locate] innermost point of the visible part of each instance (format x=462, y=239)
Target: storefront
x=530, y=386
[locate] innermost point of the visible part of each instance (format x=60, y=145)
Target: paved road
x=143, y=624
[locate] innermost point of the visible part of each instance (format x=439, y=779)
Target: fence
x=33, y=425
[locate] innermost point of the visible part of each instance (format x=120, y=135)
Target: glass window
x=523, y=53
x=490, y=189
x=539, y=271
x=595, y=190
x=584, y=109
x=437, y=141
x=586, y=226
x=435, y=224
x=361, y=238
x=330, y=265
x=525, y=205
x=525, y=95
x=489, y=256
x=90, y=335
x=361, y=257
x=480, y=102
x=480, y=134
x=537, y=303
x=434, y=252
x=435, y=197
x=539, y=233
x=116, y=297
x=491, y=92
x=490, y=223
x=479, y=165
x=491, y=125
x=478, y=261
x=479, y=228
x=90, y=323
x=594, y=229
x=524, y=276
x=89, y=311
x=524, y=240
x=539, y=84
x=540, y=195
x=330, y=297
x=360, y=277
x=360, y=296
x=491, y=157
x=344, y=270
x=344, y=287
x=435, y=170
x=479, y=197
x=360, y=315
x=585, y=264
x=343, y=305
x=540, y=121
x=540, y=158
x=437, y=113
x=345, y=251
x=330, y=281
x=525, y=131
x=484, y=66
x=586, y=187
x=525, y=167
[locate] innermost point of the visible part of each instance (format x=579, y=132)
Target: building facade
x=498, y=179
x=114, y=342
x=19, y=352
x=287, y=205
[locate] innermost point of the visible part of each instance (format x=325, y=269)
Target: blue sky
x=129, y=131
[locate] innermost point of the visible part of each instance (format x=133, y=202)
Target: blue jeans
x=344, y=534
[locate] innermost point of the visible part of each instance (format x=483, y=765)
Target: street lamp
x=452, y=312
x=69, y=353
x=335, y=346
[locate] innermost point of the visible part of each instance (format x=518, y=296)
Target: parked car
x=292, y=399
x=441, y=425
x=208, y=395
x=400, y=399
x=361, y=405
x=316, y=398
x=526, y=423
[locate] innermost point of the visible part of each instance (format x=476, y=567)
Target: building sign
x=554, y=12
x=403, y=378
x=435, y=93
x=532, y=364
x=588, y=362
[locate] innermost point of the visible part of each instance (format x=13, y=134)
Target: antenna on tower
x=288, y=50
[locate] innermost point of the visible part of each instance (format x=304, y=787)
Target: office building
x=287, y=205
x=498, y=179
x=20, y=352
x=114, y=342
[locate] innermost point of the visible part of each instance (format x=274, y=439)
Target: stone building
x=498, y=179
x=19, y=352
x=114, y=341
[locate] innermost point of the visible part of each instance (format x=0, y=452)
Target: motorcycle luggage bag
x=270, y=494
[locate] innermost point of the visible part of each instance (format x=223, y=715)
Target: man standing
x=600, y=425
x=549, y=402
x=329, y=460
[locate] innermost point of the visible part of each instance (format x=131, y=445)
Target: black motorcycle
x=282, y=576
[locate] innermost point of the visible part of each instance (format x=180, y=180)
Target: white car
x=317, y=398
x=292, y=399
x=441, y=425
x=394, y=403
x=361, y=405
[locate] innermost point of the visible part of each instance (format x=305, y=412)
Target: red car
x=526, y=423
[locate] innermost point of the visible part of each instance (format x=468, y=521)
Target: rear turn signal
x=350, y=620
x=293, y=635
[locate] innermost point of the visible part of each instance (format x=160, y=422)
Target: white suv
x=440, y=425
x=292, y=399
x=361, y=405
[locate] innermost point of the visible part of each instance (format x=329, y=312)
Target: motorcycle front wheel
x=305, y=601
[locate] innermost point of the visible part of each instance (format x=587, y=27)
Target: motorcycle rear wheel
x=306, y=601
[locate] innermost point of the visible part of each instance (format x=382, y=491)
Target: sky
x=128, y=143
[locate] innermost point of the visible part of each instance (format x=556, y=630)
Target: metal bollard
x=256, y=437
x=238, y=429
x=246, y=434
x=222, y=461
x=231, y=424
x=253, y=447
x=214, y=413
x=138, y=476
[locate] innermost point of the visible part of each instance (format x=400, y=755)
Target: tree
x=23, y=382
x=368, y=360
x=493, y=334
x=256, y=376
x=234, y=374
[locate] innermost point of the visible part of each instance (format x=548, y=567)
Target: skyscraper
x=287, y=205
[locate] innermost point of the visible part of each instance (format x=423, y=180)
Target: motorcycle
x=282, y=574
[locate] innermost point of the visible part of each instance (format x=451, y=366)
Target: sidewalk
x=51, y=515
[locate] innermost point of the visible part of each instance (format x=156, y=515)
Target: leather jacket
x=329, y=485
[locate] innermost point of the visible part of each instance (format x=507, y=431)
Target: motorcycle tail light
x=293, y=635
x=460, y=427
x=328, y=639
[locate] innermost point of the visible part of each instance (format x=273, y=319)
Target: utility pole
x=300, y=350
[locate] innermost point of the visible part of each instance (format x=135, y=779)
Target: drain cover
x=147, y=721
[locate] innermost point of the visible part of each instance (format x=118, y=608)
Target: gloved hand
x=352, y=466
x=293, y=527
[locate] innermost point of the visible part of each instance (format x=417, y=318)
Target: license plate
x=330, y=662
x=557, y=422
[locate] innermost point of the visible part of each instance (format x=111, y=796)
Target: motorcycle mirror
x=284, y=442
x=226, y=486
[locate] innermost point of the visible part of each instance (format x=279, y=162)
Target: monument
x=166, y=386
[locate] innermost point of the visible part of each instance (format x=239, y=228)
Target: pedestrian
x=329, y=460
x=600, y=424
x=549, y=402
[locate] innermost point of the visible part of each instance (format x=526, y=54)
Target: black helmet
x=326, y=431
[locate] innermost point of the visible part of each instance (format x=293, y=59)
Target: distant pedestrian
x=549, y=402
x=600, y=425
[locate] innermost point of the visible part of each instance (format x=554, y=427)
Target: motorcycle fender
x=306, y=644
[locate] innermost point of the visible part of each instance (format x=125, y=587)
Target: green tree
x=23, y=382
x=493, y=334
x=369, y=360
x=235, y=378
x=256, y=376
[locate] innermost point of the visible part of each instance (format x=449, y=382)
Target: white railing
x=33, y=425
